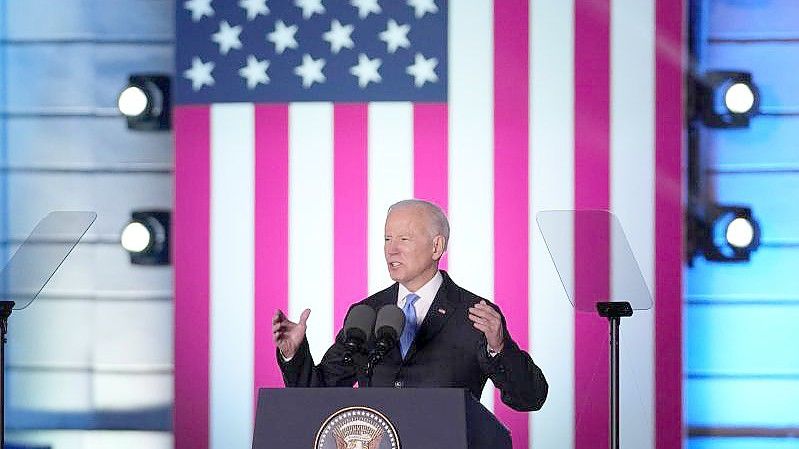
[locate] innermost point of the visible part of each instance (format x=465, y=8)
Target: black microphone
x=388, y=327
x=358, y=326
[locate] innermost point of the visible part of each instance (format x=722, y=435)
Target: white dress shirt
x=426, y=296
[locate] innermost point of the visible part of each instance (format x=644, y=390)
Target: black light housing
x=727, y=99
x=146, y=237
x=145, y=102
x=725, y=234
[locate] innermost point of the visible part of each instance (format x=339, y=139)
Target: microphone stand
x=360, y=361
x=376, y=355
x=365, y=361
x=355, y=355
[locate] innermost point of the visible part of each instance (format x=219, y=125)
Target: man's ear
x=438, y=247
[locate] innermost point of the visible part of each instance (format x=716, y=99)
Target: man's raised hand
x=488, y=321
x=287, y=334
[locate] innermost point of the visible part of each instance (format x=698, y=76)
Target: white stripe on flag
x=551, y=187
x=471, y=151
x=232, y=275
x=390, y=162
x=311, y=220
x=632, y=199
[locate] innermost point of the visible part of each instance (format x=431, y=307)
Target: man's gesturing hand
x=287, y=334
x=489, y=322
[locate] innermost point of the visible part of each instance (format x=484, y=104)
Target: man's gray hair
x=438, y=220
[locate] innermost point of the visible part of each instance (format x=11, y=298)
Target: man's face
x=411, y=251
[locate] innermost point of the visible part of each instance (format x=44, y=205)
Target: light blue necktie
x=409, y=331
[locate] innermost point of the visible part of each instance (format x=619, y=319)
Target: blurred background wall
x=741, y=362
x=90, y=362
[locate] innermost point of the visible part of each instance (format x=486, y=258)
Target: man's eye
x=404, y=239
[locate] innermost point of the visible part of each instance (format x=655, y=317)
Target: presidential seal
x=357, y=428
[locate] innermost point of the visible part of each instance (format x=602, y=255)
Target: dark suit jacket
x=448, y=352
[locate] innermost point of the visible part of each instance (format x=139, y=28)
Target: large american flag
x=298, y=122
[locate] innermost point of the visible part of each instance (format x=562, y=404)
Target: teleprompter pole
x=5, y=311
x=614, y=311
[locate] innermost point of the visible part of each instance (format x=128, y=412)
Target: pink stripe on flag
x=350, y=208
x=668, y=223
x=591, y=191
x=271, y=235
x=190, y=244
x=430, y=146
x=511, y=202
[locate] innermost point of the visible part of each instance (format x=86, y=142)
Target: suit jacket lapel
x=442, y=308
x=388, y=296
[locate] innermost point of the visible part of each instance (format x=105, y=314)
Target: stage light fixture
x=739, y=98
x=146, y=237
x=728, y=234
x=132, y=101
x=727, y=99
x=739, y=233
x=145, y=102
x=136, y=237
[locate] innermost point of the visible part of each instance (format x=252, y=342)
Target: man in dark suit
x=452, y=337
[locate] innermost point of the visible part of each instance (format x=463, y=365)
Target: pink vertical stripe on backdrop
x=271, y=236
x=668, y=222
x=592, y=240
x=430, y=156
x=592, y=259
x=511, y=202
x=190, y=245
x=591, y=191
x=350, y=247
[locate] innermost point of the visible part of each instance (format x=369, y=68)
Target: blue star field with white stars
x=282, y=51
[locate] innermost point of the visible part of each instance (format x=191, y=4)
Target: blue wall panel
x=742, y=339
x=773, y=66
x=753, y=18
x=77, y=77
x=91, y=19
x=772, y=273
x=68, y=148
x=742, y=443
x=88, y=143
x=769, y=142
x=773, y=198
x=741, y=361
x=721, y=402
x=3, y=136
x=34, y=194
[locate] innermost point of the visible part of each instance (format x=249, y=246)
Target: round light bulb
x=135, y=237
x=739, y=98
x=132, y=101
x=740, y=233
